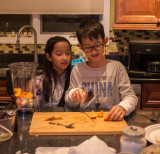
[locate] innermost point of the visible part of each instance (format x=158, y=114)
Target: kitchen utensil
x=84, y=126
x=6, y=126
x=153, y=133
x=5, y=133
x=90, y=95
x=67, y=126
x=87, y=116
x=151, y=119
x=88, y=101
x=23, y=76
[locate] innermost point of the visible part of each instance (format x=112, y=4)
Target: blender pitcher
x=23, y=76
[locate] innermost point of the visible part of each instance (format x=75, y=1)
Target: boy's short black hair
x=90, y=28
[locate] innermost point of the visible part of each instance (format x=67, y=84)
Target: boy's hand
x=79, y=96
x=116, y=113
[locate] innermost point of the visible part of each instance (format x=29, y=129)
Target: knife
x=88, y=116
x=88, y=101
x=90, y=96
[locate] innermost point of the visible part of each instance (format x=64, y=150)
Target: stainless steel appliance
x=144, y=60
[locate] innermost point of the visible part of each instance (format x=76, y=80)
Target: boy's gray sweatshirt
x=110, y=85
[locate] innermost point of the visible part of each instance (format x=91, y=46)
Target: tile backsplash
x=118, y=41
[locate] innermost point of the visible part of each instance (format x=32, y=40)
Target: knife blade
x=90, y=96
x=88, y=116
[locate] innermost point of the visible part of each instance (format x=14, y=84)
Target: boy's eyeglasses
x=96, y=47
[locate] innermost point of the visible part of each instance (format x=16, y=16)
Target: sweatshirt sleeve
x=74, y=85
x=38, y=94
x=128, y=98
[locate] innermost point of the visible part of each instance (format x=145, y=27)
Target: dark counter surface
x=22, y=140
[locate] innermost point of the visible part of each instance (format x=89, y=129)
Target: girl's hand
x=79, y=96
x=116, y=113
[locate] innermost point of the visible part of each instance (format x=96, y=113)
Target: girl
x=51, y=85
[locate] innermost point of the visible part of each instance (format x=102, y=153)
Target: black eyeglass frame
x=94, y=47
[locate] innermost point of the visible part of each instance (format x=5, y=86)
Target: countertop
x=30, y=143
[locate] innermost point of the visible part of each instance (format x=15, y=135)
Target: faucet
x=35, y=41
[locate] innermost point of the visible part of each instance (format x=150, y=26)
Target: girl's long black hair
x=49, y=71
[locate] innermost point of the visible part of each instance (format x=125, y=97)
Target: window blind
x=51, y=7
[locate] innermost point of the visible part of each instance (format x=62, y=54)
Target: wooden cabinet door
x=142, y=13
x=4, y=97
x=150, y=95
x=137, y=11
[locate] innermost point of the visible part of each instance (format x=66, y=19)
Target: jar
x=5, y=32
x=12, y=33
x=132, y=139
x=25, y=33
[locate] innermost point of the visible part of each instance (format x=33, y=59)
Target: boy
x=107, y=79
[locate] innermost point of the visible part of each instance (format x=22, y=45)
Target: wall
x=118, y=39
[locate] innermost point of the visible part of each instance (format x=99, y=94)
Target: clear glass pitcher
x=23, y=76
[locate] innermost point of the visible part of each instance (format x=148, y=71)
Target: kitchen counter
x=21, y=138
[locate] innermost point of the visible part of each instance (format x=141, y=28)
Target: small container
x=132, y=139
x=7, y=122
x=5, y=32
x=29, y=33
x=25, y=33
x=13, y=33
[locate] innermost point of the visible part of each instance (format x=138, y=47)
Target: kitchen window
x=64, y=24
x=14, y=22
x=43, y=35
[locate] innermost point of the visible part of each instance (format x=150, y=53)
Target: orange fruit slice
x=106, y=118
x=93, y=115
x=29, y=95
x=100, y=114
x=23, y=94
x=17, y=92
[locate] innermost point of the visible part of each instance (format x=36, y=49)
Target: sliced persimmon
x=106, y=118
x=93, y=115
x=23, y=94
x=17, y=92
x=100, y=114
x=29, y=95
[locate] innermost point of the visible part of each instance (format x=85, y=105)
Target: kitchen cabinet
x=137, y=14
x=4, y=97
x=150, y=95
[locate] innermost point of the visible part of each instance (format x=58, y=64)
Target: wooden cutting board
x=83, y=124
